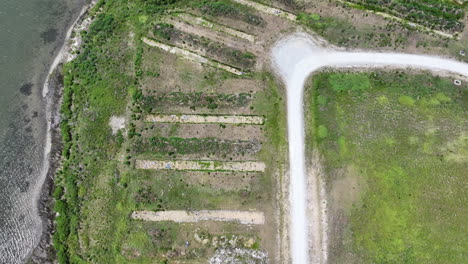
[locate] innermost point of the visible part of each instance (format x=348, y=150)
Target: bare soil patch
x=205, y=119
x=201, y=165
x=243, y=217
x=192, y=56
x=117, y=123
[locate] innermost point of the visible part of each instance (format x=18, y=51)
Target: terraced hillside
x=175, y=138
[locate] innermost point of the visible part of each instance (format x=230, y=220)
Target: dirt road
x=295, y=58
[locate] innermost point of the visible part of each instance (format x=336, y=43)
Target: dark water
x=31, y=32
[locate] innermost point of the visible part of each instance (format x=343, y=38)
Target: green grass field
x=401, y=142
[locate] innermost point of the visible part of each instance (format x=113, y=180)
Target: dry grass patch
x=205, y=165
x=206, y=119
x=267, y=9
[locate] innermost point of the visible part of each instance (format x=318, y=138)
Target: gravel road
x=295, y=58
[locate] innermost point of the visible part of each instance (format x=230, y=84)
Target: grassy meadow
x=394, y=146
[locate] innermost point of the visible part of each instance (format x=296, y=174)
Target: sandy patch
x=116, y=123
x=190, y=165
x=317, y=210
x=206, y=119
x=268, y=10
x=239, y=256
x=243, y=217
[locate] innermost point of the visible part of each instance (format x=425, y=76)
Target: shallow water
x=31, y=31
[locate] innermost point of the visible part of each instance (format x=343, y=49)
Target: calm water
x=30, y=33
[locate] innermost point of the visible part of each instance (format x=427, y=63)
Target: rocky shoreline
x=44, y=252
x=52, y=92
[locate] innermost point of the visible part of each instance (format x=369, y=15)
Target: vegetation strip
x=191, y=56
x=243, y=217
x=201, y=165
x=403, y=21
x=194, y=20
x=267, y=9
x=152, y=103
x=173, y=145
x=206, y=119
x=224, y=49
x=229, y=9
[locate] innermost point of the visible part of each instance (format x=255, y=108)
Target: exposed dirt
x=243, y=217
x=202, y=165
x=116, y=123
x=317, y=204
x=345, y=191
x=239, y=256
x=267, y=9
x=206, y=119
x=191, y=56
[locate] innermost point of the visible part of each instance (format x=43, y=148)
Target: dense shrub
x=435, y=14
x=229, y=9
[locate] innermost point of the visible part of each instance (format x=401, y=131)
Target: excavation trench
x=295, y=58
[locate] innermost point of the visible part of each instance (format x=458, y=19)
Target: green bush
x=435, y=14
x=342, y=82
x=229, y=9
x=406, y=100
x=322, y=131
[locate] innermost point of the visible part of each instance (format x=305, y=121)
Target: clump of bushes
x=163, y=30
x=193, y=100
x=435, y=14
x=178, y=145
x=229, y=9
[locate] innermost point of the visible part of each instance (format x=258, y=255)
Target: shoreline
x=52, y=92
